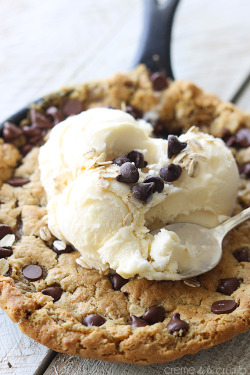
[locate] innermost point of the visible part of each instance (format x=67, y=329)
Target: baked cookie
x=81, y=311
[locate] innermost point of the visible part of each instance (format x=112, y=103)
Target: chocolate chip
x=240, y=140
x=160, y=129
x=176, y=324
x=154, y=315
x=37, y=138
x=231, y=142
x=25, y=149
x=121, y=160
x=242, y=254
x=133, y=111
x=137, y=322
x=54, y=114
x=18, y=181
x=53, y=291
x=228, y=286
x=136, y=157
x=159, y=81
x=143, y=191
x=32, y=272
x=223, y=307
x=11, y=131
x=243, y=137
x=246, y=170
x=40, y=121
x=68, y=249
x=175, y=146
x=170, y=172
x=118, y=281
x=32, y=131
x=72, y=107
x=93, y=320
x=128, y=173
x=225, y=135
x=4, y=230
x=158, y=181
x=5, y=252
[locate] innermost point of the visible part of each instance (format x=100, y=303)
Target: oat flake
x=8, y=240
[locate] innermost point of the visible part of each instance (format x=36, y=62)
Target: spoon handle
x=155, y=45
x=224, y=228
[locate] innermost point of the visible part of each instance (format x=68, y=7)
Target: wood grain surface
x=47, y=44
x=228, y=358
x=19, y=354
x=211, y=44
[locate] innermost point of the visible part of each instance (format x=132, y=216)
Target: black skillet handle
x=154, y=50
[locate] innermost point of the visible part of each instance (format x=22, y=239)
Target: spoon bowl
x=204, y=245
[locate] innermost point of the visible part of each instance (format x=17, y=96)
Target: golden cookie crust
x=58, y=325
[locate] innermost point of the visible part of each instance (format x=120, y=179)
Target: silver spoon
x=204, y=245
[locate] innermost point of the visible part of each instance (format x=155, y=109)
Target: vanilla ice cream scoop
x=104, y=219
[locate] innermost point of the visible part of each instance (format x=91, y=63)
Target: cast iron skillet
x=154, y=49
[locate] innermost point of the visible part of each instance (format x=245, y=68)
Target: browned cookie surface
x=82, y=312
